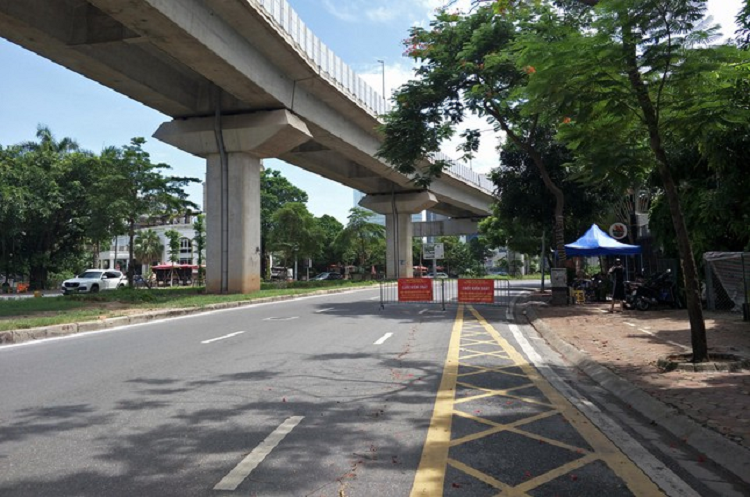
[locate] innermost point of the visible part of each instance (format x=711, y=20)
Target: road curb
x=31, y=334
x=716, y=447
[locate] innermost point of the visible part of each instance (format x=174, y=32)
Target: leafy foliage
x=44, y=205
x=468, y=65
x=200, y=244
x=148, y=247
x=329, y=253
x=361, y=237
x=651, y=82
x=142, y=192
x=524, y=209
x=294, y=233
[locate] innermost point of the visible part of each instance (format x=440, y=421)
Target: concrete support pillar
x=239, y=266
x=398, y=209
x=398, y=253
x=232, y=204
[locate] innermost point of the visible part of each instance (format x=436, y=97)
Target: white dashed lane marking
x=224, y=337
x=253, y=459
x=382, y=339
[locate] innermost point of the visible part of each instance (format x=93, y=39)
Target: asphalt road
x=320, y=396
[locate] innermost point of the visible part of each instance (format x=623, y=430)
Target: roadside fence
x=445, y=291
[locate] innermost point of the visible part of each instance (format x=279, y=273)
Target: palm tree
x=148, y=246
x=47, y=142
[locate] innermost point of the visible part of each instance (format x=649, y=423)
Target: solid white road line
x=324, y=310
x=225, y=336
x=672, y=484
x=382, y=339
x=253, y=459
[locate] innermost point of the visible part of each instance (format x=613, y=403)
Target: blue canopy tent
x=596, y=242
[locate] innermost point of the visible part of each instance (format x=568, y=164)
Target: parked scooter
x=656, y=291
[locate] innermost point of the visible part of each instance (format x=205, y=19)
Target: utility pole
x=382, y=66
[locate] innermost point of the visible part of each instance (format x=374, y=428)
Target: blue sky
x=36, y=91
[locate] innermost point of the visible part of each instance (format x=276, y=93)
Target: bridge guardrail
x=338, y=73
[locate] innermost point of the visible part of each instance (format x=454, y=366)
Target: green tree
x=173, y=240
x=294, y=233
x=200, y=244
x=458, y=259
x=713, y=185
x=48, y=144
x=643, y=75
x=275, y=192
x=360, y=236
x=522, y=214
x=140, y=191
x=329, y=228
x=148, y=247
x=45, y=205
x=467, y=65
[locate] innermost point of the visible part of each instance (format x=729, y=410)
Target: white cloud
x=382, y=14
x=339, y=11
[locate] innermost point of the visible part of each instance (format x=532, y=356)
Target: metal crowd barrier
x=443, y=291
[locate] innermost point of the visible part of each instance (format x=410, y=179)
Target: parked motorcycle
x=657, y=291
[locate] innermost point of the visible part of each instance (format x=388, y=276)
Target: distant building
x=117, y=256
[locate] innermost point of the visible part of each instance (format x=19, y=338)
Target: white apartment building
x=117, y=256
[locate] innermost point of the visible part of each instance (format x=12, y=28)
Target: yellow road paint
x=431, y=472
x=632, y=476
x=479, y=476
x=551, y=475
x=430, y=477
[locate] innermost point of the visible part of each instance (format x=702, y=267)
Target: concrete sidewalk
x=709, y=411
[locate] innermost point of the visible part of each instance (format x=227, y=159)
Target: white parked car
x=94, y=280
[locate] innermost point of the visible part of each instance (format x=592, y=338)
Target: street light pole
x=382, y=67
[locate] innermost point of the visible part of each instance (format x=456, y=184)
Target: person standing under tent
x=617, y=274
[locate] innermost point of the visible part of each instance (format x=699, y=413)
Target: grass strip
x=49, y=311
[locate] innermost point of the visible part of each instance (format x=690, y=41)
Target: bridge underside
x=193, y=59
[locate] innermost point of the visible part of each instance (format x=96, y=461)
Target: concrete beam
x=263, y=134
x=401, y=203
x=398, y=209
x=446, y=227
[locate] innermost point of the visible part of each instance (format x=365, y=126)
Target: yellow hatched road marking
x=547, y=477
x=631, y=475
x=431, y=472
x=474, y=354
x=479, y=476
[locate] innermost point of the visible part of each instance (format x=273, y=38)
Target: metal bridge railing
x=444, y=291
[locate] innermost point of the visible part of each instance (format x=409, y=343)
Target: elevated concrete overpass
x=243, y=80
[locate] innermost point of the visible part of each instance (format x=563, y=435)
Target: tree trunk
x=95, y=255
x=689, y=269
x=131, y=256
x=37, y=277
